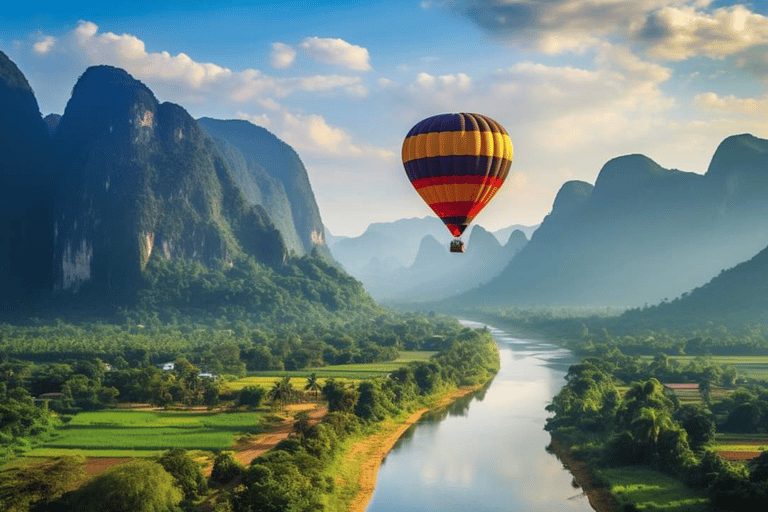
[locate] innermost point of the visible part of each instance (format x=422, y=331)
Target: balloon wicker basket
x=457, y=245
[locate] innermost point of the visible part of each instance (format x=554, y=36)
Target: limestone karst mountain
x=642, y=233
x=28, y=182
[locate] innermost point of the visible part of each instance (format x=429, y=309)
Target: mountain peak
x=743, y=152
x=11, y=76
x=483, y=239
x=571, y=194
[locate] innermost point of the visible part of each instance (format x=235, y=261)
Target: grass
x=752, y=367
x=342, y=372
x=146, y=433
x=650, y=490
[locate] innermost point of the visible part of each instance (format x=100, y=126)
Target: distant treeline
x=591, y=331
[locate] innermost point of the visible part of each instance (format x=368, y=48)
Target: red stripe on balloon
x=457, y=180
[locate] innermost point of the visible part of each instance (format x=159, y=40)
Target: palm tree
x=282, y=391
x=313, y=385
x=649, y=425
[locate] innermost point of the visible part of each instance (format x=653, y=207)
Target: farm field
x=147, y=433
x=732, y=446
x=342, y=372
x=752, y=367
x=651, y=490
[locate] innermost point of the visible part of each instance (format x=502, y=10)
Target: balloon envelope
x=457, y=162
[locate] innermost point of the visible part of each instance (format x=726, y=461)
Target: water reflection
x=487, y=451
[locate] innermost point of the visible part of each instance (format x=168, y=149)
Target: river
x=486, y=452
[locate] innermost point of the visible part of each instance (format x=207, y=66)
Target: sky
x=574, y=82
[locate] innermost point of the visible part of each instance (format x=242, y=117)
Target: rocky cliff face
x=142, y=178
x=273, y=176
x=27, y=186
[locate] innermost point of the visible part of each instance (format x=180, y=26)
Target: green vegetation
x=119, y=431
x=646, y=427
x=138, y=486
x=294, y=476
x=646, y=489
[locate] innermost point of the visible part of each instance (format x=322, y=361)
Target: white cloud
x=269, y=104
x=185, y=79
x=672, y=29
x=338, y=52
x=282, y=56
x=753, y=107
x=311, y=133
x=44, y=45
x=677, y=33
x=258, y=120
x=325, y=82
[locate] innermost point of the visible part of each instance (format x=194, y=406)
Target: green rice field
x=146, y=433
x=343, y=372
x=651, y=490
x=752, y=367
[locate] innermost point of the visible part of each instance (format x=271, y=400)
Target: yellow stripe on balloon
x=474, y=143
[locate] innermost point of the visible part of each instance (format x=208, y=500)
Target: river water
x=486, y=452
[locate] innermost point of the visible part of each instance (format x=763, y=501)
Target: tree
x=186, y=471
x=312, y=385
x=251, y=396
x=282, y=391
x=340, y=398
x=649, y=424
x=24, y=488
x=225, y=468
x=698, y=422
x=139, y=486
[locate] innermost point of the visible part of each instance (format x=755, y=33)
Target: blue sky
x=575, y=82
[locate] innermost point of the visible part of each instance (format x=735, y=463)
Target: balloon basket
x=457, y=245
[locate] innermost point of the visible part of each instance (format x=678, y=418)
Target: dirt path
x=246, y=452
x=599, y=497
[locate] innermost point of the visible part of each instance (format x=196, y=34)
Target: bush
x=225, y=468
x=186, y=471
x=251, y=396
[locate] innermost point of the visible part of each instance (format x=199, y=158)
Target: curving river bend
x=486, y=452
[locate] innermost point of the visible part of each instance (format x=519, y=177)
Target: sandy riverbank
x=599, y=497
x=375, y=448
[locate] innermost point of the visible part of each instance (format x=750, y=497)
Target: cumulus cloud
x=189, y=79
x=313, y=134
x=677, y=33
x=337, y=51
x=259, y=120
x=44, y=45
x=282, y=56
x=753, y=107
x=671, y=29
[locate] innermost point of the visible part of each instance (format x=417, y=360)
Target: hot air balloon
x=457, y=162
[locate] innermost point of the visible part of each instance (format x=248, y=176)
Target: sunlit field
x=651, y=490
x=342, y=372
x=147, y=433
x=751, y=367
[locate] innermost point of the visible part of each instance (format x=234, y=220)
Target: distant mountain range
x=408, y=260
x=642, y=234
x=736, y=297
x=89, y=197
x=398, y=242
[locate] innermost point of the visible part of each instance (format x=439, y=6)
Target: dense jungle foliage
x=614, y=411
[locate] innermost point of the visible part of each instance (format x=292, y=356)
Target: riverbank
x=368, y=454
x=600, y=498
